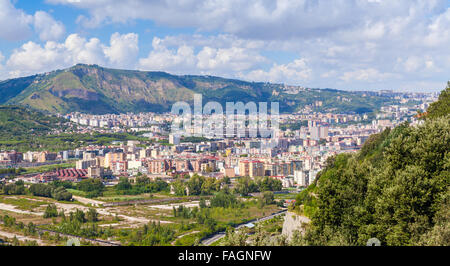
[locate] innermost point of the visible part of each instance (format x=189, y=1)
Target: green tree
x=195, y=184
x=441, y=107
x=51, y=211
x=92, y=215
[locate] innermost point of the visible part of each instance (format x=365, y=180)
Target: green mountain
x=396, y=189
x=98, y=90
x=24, y=129
x=19, y=121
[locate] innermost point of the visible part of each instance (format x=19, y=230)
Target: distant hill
x=19, y=121
x=396, y=189
x=442, y=106
x=98, y=90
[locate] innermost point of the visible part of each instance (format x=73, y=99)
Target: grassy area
x=111, y=195
x=285, y=196
x=77, y=192
x=218, y=242
x=22, y=203
x=186, y=230
x=188, y=239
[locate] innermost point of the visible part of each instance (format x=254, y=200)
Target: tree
x=42, y=190
x=223, y=199
x=60, y=193
x=268, y=197
x=208, y=186
x=233, y=238
x=202, y=203
x=441, y=107
x=124, y=184
x=78, y=216
x=93, y=186
x=269, y=184
x=90, y=184
x=179, y=188
x=14, y=189
x=195, y=184
x=243, y=186
x=51, y=211
x=92, y=215
x=399, y=197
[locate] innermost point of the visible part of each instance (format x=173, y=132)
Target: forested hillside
x=397, y=188
x=16, y=121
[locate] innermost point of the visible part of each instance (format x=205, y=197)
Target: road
x=12, y=208
x=208, y=241
x=95, y=203
x=92, y=240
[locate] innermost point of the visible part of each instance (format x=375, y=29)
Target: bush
x=51, y=211
x=223, y=199
x=50, y=191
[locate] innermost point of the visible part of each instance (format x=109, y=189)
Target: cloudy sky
x=343, y=44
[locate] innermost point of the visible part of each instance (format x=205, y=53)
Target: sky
x=401, y=45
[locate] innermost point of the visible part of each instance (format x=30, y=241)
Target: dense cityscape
x=300, y=154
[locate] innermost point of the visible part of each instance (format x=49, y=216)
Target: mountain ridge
x=95, y=89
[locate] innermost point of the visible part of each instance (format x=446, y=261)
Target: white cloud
x=80, y=50
x=209, y=60
x=162, y=58
x=48, y=28
x=417, y=64
x=260, y=19
x=33, y=58
x=296, y=72
x=368, y=75
x=236, y=59
x=123, y=50
x=255, y=18
x=14, y=23
x=350, y=44
x=412, y=63
x=438, y=32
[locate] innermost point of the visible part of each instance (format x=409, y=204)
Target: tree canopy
x=395, y=189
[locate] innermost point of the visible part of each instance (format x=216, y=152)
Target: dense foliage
x=50, y=191
x=248, y=185
x=198, y=185
x=24, y=121
x=142, y=185
x=442, y=106
x=63, y=141
x=397, y=189
x=34, y=130
x=54, y=191
x=92, y=186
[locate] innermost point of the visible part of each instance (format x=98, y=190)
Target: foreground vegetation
x=397, y=188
